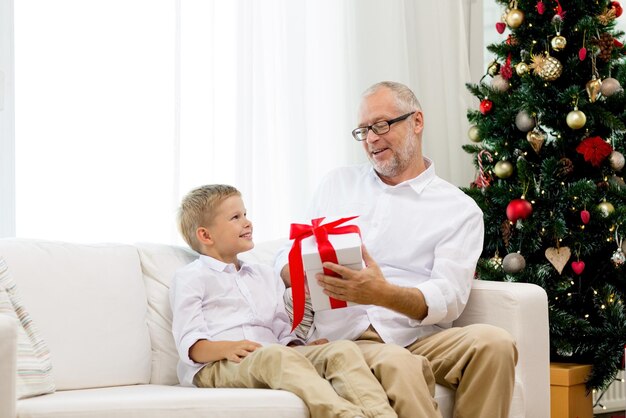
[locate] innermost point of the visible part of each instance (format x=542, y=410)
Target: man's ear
x=419, y=121
x=204, y=236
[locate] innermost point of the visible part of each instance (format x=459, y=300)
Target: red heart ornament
x=585, y=216
x=500, y=26
x=582, y=53
x=578, y=267
x=518, y=209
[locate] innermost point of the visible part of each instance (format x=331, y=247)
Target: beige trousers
x=478, y=361
x=332, y=379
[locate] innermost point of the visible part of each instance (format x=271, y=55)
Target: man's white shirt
x=423, y=233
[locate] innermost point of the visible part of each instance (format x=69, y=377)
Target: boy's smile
x=230, y=231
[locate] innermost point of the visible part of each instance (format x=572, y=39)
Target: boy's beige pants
x=332, y=379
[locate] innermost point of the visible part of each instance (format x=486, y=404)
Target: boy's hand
x=238, y=350
x=318, y=342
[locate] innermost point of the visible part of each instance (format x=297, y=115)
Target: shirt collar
x=418, y=184
x=220, y=266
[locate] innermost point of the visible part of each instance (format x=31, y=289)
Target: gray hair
x=405, y=98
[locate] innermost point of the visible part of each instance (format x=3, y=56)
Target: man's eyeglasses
x=379, y=128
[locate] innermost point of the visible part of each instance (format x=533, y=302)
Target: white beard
x=400, y=159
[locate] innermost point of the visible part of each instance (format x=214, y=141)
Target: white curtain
x=123, y=106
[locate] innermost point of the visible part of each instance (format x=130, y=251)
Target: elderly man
x=424, y=236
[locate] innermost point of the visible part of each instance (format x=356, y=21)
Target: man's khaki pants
x=332, y=379
x=478, y=361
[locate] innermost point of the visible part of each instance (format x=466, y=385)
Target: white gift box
x=348, y=250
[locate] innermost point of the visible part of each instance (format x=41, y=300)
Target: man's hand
x=369, y=287
x=365, y=286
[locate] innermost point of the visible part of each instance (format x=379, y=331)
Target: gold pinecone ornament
x=546, y=67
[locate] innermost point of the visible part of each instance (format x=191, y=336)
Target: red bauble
x=582, y=53
x=617, y=7
x=518, y=209
x=585, y=216
x=485, y=106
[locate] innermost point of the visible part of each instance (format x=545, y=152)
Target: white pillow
x=33, y=356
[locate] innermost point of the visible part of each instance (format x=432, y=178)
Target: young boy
x=230, y=325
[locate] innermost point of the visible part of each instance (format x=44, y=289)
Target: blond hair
x=198, y=208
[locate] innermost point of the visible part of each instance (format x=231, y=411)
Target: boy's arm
x=204, y=351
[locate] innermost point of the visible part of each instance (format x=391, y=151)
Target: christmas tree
x=548, y=138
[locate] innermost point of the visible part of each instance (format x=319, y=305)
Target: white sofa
x=104, y=312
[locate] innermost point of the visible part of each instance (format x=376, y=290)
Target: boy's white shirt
x=213, y=301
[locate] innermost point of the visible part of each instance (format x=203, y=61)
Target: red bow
x=327, y=253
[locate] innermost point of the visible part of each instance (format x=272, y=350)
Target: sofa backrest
x=159, y=263
x=89, y=304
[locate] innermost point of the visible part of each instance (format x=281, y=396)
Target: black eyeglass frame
x=388, y=123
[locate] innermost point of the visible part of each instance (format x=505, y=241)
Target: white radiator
x=614, y=399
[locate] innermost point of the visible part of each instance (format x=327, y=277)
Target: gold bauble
x=503, y=169
x=493, y=68
x=593, y=88
x=515, y=18
x=546, y=66
x=558, y=43
x=521, y=68
x=576, y=119
x=606, y=208
x=474, y=134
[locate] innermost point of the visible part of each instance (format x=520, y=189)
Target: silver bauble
x=499, y=83
x=610, y=86
x=616, y=159
x=524, y=121
x=513, y=263
x=618, y=258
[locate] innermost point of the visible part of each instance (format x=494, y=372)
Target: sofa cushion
x=155, y=401
x=90, y=306
x=33, y=364
x=158, y=264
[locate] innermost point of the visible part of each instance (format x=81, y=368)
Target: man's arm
x=204, y=351
x=369, y=287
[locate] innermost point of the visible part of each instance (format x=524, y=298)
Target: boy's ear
x=203, y=236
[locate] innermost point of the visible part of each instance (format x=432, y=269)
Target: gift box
x=568, y=395
x=320, y=249
x=348, y=251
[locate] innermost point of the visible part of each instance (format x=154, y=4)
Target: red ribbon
x=327, y=253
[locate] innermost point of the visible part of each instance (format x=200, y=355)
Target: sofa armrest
x=8, y=365
x=521, y=309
